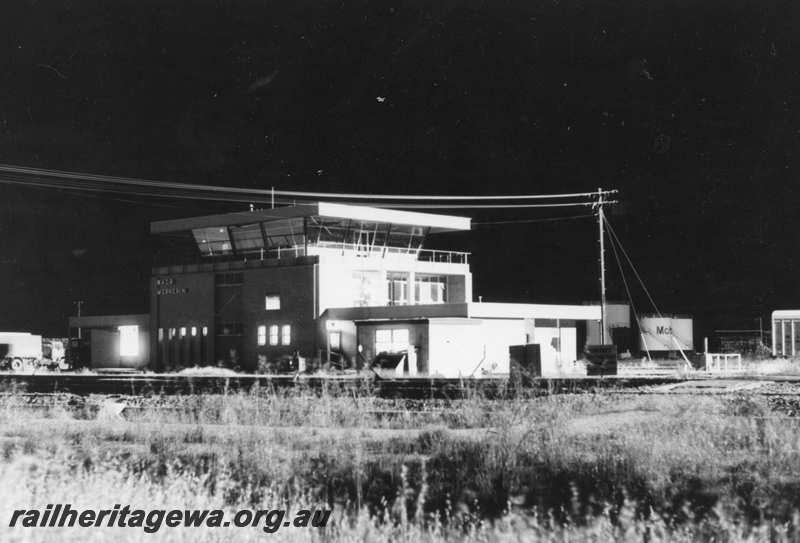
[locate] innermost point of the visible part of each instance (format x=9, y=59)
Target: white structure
x=786, y=332
x=19, y=348
x=666, y=333
x=465, y=339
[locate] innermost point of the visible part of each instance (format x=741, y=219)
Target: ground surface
x=679, y=462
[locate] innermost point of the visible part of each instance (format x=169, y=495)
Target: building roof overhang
x=473, y=310
x=435, y=223
x=786, y=314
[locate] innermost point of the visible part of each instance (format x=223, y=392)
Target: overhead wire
x=167, y=192
x=644, y=287
x=633, y=267
x=59, y=174
x=627, y=288
x=524, y=221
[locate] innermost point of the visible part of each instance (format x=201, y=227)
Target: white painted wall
x=460, y=347
x=465, y=347
x=347, y=280
x=558, y=348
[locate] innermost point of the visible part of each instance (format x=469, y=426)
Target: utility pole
x=79, y=303
x=600, y=227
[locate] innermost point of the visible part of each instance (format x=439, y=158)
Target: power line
x=633, y=268
x=481, y=206
x=58, y=174
x=167, y=192
x=523, y=221
x=627, y=289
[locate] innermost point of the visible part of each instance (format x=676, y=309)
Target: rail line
x=406, y=388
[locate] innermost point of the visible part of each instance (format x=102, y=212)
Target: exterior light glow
x=129, y=340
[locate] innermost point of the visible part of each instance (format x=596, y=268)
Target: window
x=160, y=334
x=205, y=331
x=194, y=331
x=262, y=335
x=183, y=331
x=129, y=340
x=430, y=289
x=286, y=334
x=391, y=341
x=335, y=340
x=273, y=334
x=397, y=287
x=171, y=333
x=272, y=302
x=213, y=241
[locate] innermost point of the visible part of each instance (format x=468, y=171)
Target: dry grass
x=584, y=467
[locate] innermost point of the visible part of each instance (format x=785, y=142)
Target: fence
x=724, y=362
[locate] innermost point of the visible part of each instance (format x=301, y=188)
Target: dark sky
x=688, y=108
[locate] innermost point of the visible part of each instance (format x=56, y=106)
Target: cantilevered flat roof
x=322, y=210
x=786, y=314
x=475, y=310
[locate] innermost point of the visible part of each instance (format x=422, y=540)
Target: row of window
x=181, y=332
x=277, y=333
x=428, y=289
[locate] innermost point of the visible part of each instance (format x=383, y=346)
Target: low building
x=336, y=285
x=786, y=333
x=459, y=339
x=113, y=341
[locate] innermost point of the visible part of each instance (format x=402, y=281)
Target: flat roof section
x=534, y=311
x=467, y=310
x=395, y=312
x=786, y=314
x=435, y=222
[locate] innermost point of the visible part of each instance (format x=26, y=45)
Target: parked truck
x=25, y=351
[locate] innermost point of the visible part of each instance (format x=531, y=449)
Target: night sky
x=690, y=109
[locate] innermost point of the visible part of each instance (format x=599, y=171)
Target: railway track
x=407, y=388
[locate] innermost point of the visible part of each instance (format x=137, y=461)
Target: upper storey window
x=213, y=241
x=430, y=289
x=397, y=288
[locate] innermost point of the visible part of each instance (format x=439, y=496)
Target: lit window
x=397, y=288
x=430, y=289
x=271, y=303
x=391, y=341
x=262, y=335
x=205, y=330
x=286, y=334
x=171, y=333
x=273, y=334
x=183, y=331
x=129, y=340
x=194, y=331
x=160, y=334
x=335, y=340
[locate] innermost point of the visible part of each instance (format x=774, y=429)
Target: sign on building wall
x=666, y=333
x=167, y=285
